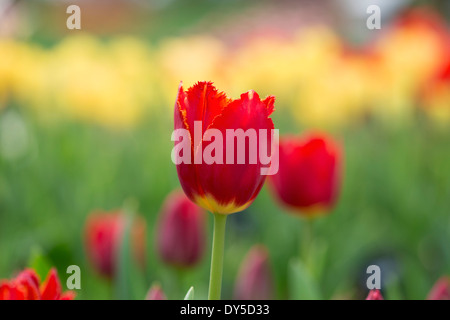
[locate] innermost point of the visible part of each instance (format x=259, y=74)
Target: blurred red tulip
x=436, y=91
x=441, y=290
x=424, y=19
x=26, y=286
x=308, y=179
x=443, y=73
x=181, y=231
x=155, y=293
x=375, y=294
x=222, y=187
x=254, y=280
x=103, y=235
x=427, y=25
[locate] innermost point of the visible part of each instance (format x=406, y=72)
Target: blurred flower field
x=318, y=78
x=85, y=127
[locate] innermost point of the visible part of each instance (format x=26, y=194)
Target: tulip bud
x=181, y=231
x=308, y=179
x=103, y=235
x=374, y=294
x=26, y=286
x=223, y=183
x=441, y=290
x=155, y=293
x=254, y=281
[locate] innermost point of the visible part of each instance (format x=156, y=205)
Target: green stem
x=306, y=242
x=179, y=281
x=215, y=278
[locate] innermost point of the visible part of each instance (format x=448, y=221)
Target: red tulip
x=428, y=26
x=255, y=281
x=435, y=93
x=441, y=290
x=375, y=294
x=181, y=231
x=443, y=74
x=308, y=179
x=103, y=235
x=224, y=183
x=425, y=20
x=155, y=293
x=26, y=286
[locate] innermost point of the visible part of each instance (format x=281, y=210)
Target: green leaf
x=129, y=281
x=393, y=289
x=318, y=259
x=39, y=262
x=302, y=285
x=190, y=294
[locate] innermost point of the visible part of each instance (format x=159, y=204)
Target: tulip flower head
x=308, y=179
x=181, y=231
x=441, y=290
x=155, y=293
x=255, y=280
x=375, y=294
x=27, y=286
x=436, y=93
x=222, y=156
x=103, y=236
x=223, y=151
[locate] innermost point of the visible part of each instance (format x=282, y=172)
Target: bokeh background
x=86, y=118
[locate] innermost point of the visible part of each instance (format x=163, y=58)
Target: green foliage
x=39, y=263
x=302, y=285
x=190, y=294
